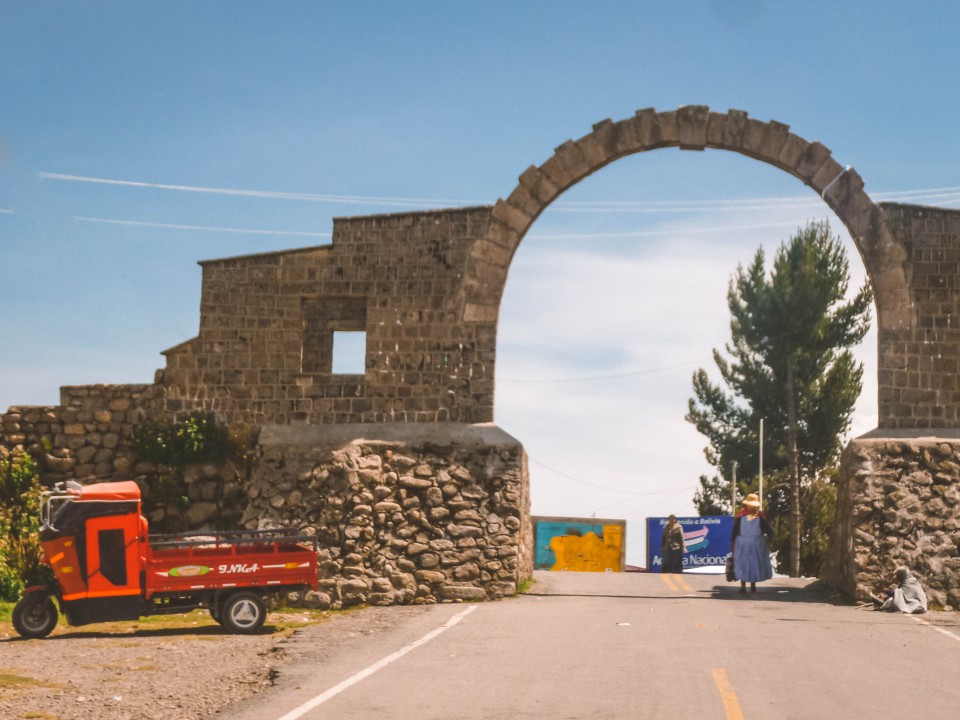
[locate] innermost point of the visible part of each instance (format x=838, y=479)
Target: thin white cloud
x=267, y=194
x=4, y=211
x=202, y=228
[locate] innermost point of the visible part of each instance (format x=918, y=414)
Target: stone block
x=811, y=160
x=830, y=172
x=571, y=157
x=733, y=129
x=462, y=592
x=692, y=122
x=791, y=152
x=526, y=203
x=592, y=152
x=539, y=185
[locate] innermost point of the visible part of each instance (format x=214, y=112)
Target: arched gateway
x=695, y=127
x=416, y=496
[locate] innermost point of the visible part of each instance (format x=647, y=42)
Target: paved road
x=583, y=645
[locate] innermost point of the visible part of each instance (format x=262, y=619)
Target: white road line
x=367, y=672
x=940, y=630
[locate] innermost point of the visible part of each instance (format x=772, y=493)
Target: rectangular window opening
x=349, y=352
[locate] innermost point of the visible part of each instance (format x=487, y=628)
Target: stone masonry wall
x=263, y=355
x=919, y=366
x=87, y=437
x=898, y=503
x=406, y=518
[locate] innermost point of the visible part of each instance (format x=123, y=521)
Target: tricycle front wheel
x=35, y=616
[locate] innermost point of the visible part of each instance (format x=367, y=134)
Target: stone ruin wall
x=898, y=504
x=264, y=352
x=425, y=288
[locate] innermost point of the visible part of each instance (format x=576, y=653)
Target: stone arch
x=691, y=127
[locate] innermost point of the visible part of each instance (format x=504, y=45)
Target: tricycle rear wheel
x=243, y=612
x=35, y=615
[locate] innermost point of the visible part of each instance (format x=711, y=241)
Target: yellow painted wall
x=589, y=553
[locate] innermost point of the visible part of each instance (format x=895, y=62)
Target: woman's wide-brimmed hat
x=751, y=501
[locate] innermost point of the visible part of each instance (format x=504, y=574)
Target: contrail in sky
x=202, y=228
x=269, y=194
x=950, y=194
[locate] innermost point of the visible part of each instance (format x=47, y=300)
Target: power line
x=602, y=487
x=661, y=233
x=615, y=376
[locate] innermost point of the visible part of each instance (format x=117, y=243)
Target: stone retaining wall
x=404, y=513
x=898, y=503
x=406, y=517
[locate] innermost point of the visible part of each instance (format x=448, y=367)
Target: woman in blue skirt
x=748, y=543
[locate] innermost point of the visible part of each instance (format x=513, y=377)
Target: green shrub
x=197, y=440
x=20, y=552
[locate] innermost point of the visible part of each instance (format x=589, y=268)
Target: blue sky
x=331, y=109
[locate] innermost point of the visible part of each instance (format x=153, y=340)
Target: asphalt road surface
x=587, y=645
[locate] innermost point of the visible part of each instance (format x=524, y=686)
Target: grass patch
x=8, y=681
x=525, y=585
x=6, y=611
x=282, y=620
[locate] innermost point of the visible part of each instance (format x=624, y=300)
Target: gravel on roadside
x=183, y=670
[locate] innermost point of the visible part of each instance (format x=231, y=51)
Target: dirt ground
x=174, y=668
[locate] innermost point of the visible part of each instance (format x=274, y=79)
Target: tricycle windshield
x=65, y=509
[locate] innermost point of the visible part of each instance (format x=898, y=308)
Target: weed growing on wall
x=171, y=446
x=198, y=439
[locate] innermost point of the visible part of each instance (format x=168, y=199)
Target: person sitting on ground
x=907, y=596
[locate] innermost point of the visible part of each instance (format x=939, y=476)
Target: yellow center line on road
x=676, y=583
x=730, y=703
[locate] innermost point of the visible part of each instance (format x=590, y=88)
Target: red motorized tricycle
x=107, y=567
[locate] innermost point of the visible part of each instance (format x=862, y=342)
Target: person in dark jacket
x=748, y=543
x=672, y=546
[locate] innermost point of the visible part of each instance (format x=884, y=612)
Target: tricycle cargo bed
x=199, y=561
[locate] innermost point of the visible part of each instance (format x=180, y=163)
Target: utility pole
x=733, y=490
x=760, y=494
x=794, y=473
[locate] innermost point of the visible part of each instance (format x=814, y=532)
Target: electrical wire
x=602, y=487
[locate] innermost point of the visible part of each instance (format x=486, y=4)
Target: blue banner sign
x=707, y=540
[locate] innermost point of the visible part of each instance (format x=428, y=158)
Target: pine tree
x=790, y=364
